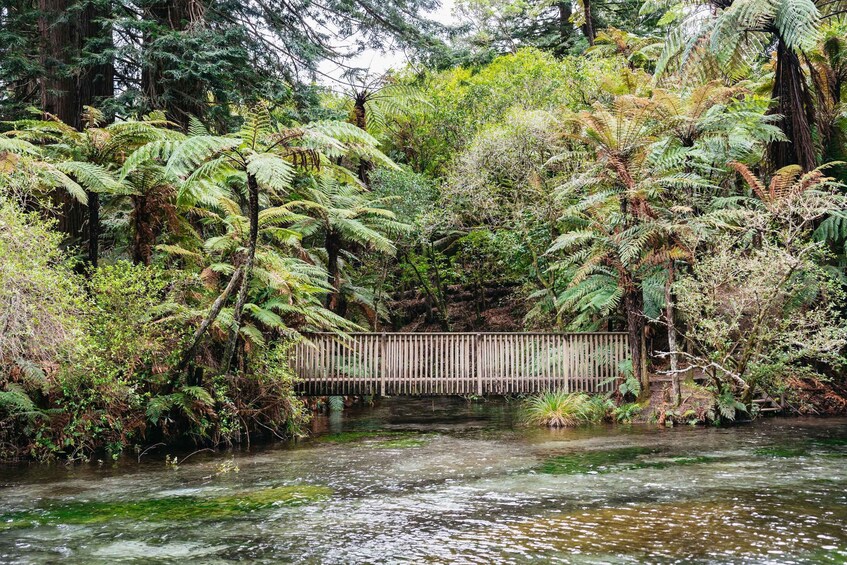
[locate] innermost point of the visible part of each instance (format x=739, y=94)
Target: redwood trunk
x=66, y=87
x=59, y=96
x=178, y=98
x=588, y=26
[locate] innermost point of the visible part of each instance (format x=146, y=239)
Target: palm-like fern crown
x=269, y=152
x=356, y=215
x=723, y=39
x=611, y=42
x=59, y=156
x=623, y=222
x=384, y=102
x=284, y=285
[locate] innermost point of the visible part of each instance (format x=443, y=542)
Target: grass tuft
x=563, y=410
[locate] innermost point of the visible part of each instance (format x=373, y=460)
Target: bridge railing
x=459, y=363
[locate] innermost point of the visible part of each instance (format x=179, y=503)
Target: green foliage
x=561, y=409
x=629, y=385
x=40, y=296
x=585, y=187
x=728, y=405
x=626, y=413
x=594, y=461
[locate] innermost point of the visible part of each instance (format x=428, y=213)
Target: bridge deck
x=458, y=363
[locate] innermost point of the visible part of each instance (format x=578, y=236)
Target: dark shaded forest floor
x=493, y=309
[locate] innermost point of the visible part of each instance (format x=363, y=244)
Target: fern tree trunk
x=216, y=308
x=796, y=108
x=633, y=303
x=335, y=300
x=238, y=310
x=145, y=209
x=360, y=120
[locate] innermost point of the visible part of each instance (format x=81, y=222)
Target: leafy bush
x=41, y=298
x=626, y=413
x=41, y=308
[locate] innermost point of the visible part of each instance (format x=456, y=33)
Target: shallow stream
x=443, y=481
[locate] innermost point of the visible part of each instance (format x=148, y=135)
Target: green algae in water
x=591, y=461
x=360, y=435
x=178, y=508
x=831, y=441
x=781, y=451
x=383, y=438
x=400, y=443
x=674, y=462
x=624, y=459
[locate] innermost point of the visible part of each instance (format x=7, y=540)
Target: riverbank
x=443, y=480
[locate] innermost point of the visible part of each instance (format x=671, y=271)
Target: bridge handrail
x=341, y=334
x=459, y=362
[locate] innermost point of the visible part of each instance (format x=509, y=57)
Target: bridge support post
x=478, y=363
x=382, y=364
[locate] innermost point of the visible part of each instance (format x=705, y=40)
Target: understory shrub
x=41, y=318
x=88, y=366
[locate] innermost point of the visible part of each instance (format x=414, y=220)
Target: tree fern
x=191, y=153
x=272, y=172
x=15, y=401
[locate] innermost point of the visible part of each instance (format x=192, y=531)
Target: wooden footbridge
x=458, y=363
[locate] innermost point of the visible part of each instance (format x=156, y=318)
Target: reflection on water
x=438, y=481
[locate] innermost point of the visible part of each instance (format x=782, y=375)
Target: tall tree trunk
x=238, y=310
x=565, y=28
x=634, y=308
x=58, y=49
x=588, y=27
x=57, y=44
x=795, y=106
x=69, y=84
x=96, y=82
x=179, y=99
x=669, y=318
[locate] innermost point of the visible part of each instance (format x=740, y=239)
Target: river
x=444, y=481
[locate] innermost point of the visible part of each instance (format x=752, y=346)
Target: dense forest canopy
x=183, y=195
